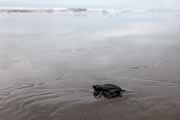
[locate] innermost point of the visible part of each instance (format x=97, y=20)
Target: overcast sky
x=138, y=4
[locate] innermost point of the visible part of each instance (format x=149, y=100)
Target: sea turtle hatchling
x=107, y=90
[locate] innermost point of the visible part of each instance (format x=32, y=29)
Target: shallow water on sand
x=48, y=62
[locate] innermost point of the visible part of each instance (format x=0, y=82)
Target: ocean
x=51, y=57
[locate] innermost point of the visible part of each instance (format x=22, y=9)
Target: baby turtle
x=107, y=90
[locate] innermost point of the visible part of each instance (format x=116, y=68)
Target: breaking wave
x=82, y=10
x=59, y=10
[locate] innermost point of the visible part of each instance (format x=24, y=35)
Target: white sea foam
x=58, y=10
x=82, y=10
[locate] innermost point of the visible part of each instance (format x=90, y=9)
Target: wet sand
x=137, y=109
x=48, y=73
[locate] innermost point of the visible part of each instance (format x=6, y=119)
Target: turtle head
x=97, y=88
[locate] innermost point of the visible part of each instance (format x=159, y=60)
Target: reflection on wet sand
x=49, y=76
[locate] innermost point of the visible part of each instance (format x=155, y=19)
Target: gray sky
x=137, y=4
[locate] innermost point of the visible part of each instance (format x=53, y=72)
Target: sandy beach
x=137, y=109
x=47, y=68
